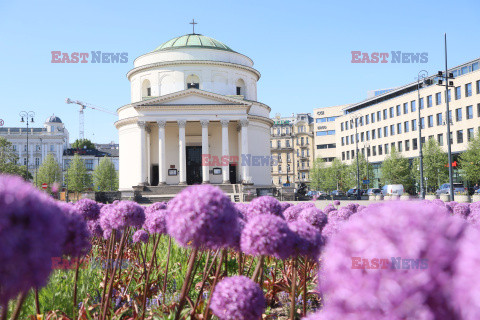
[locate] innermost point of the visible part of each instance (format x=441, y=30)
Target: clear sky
x=302, y=48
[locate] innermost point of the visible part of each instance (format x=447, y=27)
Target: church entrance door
x=194, y=165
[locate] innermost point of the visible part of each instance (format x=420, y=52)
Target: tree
x=9, y=160
x=365, y=168
x=49, y=172
x=396, y=170
x=77, y=178
x=328, y=178
x=470, y=160
x=105, y=176
x=83, y=144
x=435, y=160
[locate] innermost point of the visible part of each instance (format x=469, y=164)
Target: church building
x=194, y=118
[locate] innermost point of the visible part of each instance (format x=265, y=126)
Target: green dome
x=193, y=41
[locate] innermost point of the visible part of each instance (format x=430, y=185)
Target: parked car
x=392, y=189
x=445, y=188
x=353, y=192
x=337, y=193
x=373, y=191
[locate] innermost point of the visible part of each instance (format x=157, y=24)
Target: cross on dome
x=193, y=23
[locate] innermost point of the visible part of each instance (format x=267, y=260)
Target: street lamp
x=27, y=117
x=354, y=117
x=421, y=75
x=448, y=76
x=367, y=146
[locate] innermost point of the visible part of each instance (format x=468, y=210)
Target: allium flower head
x=94, y=228
x=308, y=239
x=266, y=234
x=329, y=208
x=238, y=298
x=285, y=205
x=345, y=213
x=360, y=208
x=265, y=205
x=121, y=215
x=89, y=209
x=140, y=236
x=291, y=213
x=451, y=205
x=332, y=227
x=462, y=210
x=155, y=207
x=314, y=217
x=398, y=230
x=77, y=240
x=32, y=231
x=352, y=207
x=438, y=202
x=242, y=210
x=336, y=202
x=202, y=216
x=155, y=221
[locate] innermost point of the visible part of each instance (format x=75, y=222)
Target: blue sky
x=302, y=48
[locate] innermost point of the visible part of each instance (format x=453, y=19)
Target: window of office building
x=405, y=108
x=374, y=150
x=406, y=126
x=386, y=148
x=380, y=150
x=458, y=114
x=478, y=87
x=385, y=114
x=37, y=162
x=400, y=146
x=392, y=145
x=438, y=98
x=385, y=132
x=351, y=139
x=414, y=124
x=379, y=133
x=379, y=116
x=341, y=126
x=422, y=123
x=325, y=133
x=469, y=112
x=343, y=141
x=373, y=134
x=423, y=140
x=449, y=95
x=460, y=136
x=470, y=134
x=458, y=93
x=439, y=119
x=430, y=121
x=407, y=145
x=429, y=101
x=468, y=89
x=353, y=154
x=368, y=135
x=343, y=155
x=440, y=139
x=346, y=125
x=478, y=110
x=348, y=155
x=361, y=121
x=415, y=144
x=392, y=114
x=430, y=137
x=348, y=140
x=373, y=117
x=412, y=107
x=399, y=128
x=392, y=130
x=420, y=103
x=367, y=119
x=368, y=152
x=451, y=137
x=399, y=110
x=362, y=136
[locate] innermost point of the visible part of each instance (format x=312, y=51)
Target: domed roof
x=54, y=118
x=193, y=41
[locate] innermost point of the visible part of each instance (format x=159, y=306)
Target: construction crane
x=83, y=106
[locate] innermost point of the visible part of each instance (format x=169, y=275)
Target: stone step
x=174, y=189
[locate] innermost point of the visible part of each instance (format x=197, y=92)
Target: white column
x=245, y=167
x=182, y=158
x=162, y=176
x=149, y=161
x=225, y=170
x=205, y=152
x=141, y=156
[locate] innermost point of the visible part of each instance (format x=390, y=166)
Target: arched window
x=240, y=86
x=146, y=89
x=193, y=82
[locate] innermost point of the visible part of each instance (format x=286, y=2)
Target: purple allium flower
x=474, y=217
x=155, y=207
x=238, y=298
x=336, y=202
x=314, y=217
x=451, y=205
x=32, y=232
x=123, y=214
x=360, y=208
x=140, y=236
x=77, y=240
x=267, y=234
x=332, y=227
x=285, y=205
x=329, y=208
x=202, y=216
x=438, y=202
x=462, y=210
x=89, y=209
x=305, y=205
x=242, y=210
x=94, y=228
x=398, y=230
x=265, y=205
x=344, y=213
x=155, y=221
x=475, y=206
x=291, y=213
x=308, y=239
x=352, y=207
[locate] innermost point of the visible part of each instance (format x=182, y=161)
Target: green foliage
x=365, y=169
x=49, y=172
x=329, y=178
x=9, y=160
x=105, y=177
x=470, y=160
x=434, y=160
x=395, y=169
x=77, y=178
x=83, y=144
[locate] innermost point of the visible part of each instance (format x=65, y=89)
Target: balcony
x=304, y=145
x=303, y=168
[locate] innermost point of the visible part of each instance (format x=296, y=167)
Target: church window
x=193, y=81
x=240, y=87
x=146, y=89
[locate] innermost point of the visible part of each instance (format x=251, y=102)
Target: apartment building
x=392, y=119
x=292, y=142
x=324, y=137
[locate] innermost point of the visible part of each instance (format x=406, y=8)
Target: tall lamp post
x=422, y=75
x=354, y=118
x=448, y=76
x=27, y=117
x=367, y=147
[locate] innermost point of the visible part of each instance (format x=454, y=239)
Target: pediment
x=191, y=97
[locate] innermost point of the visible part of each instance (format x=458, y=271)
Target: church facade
x=193, y=118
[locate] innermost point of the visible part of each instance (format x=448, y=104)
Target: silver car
x=445, y=188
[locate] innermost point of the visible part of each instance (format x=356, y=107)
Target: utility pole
x=421, y=75
x=27, y=117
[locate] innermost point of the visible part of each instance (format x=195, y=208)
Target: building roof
x=90, y=152
x=193, y=41
x=53, y=118
x=24, y=130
